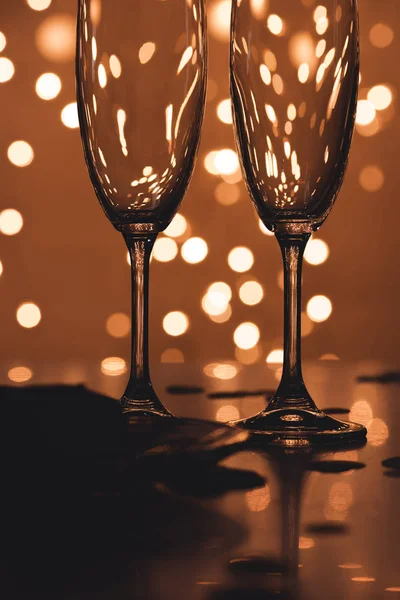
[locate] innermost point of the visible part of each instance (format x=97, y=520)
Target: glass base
x=302, y=427
x=144, y=409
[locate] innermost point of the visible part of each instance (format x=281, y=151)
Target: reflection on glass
x=294, y=81
x=141, y=73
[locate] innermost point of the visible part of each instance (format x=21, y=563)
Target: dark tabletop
x=81, y=520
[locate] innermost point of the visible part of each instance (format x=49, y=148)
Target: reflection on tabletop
x=251, y=523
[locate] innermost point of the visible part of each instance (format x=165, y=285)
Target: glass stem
x=292, y=392
x=140, y=395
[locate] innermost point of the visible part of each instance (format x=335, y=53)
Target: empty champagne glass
x=141, y=80
x=294, y=83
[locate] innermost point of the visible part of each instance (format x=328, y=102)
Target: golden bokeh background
x=216, y=276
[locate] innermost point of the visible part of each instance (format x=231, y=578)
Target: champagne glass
x=294, y=84
x=141, y=81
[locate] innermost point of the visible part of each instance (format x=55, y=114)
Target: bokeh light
x=177, y=227
x=371, y=178
x=113, y=366
x=48, y=86
x=381, y=35
x=11, y=221
x=226, y=161
x=7, y=69
x=224, y=111
x=69, y=116
x=227, y=413
x=378, y=432
x=146, y=52
x=175, y=323
x=319, y=308
x=38, y=4
x=172, y=355
x=316, y=252
x=240, y=259
x=3, y=41
x=246, y=335
x=194, y=250
x=275, y=24
x=251, y=293
x=220, y=20
x=275, y=357
x=165, y=249
x=55, y=38
x=223, y=371
x=28, y=315
x=380, y=96
x=259, y=499
x=19, y=374
x=227, y=193
x=118, y=325
x=366, y=112
x=20, y=153
x=1, y=267
x=248, y=356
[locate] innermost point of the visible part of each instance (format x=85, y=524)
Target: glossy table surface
x=300, y=530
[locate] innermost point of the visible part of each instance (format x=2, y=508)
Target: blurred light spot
x=220, y=20
x=177, y=227
x=194, y=250
x=240, y=259
x=226, y=161
x=118, y=325
x=381, y=35
x=214, y=304
x=259, y=8
x=38, y=4
x=264, y=229
x=275, y=24
x=363, y=579
x=306, y=543
x=320, y=13
x=380, y=97
x=246, y=335
x=209, y=162
x=322, y=26
x=275, y=357
x=320, y=49
x=316, y=252
x=146, y=52
x=291, y=112
x=28, y=315
x=102, y=75
x=365, y=112
x=265, y=74
x=55, y=38
x=259, y=499
x=224, y=111
x=392, y=589
x=227, y=413
x=69, y=116
x=227, y=193
x=378, y=432
x=301, y=48
x=220, y=370
x=7, y=69
x=361, y=412
x=11, y=221
x=277, y=84
x=19, y=374
x=1, y=267
x=319, y=308
x=271, y=114
x=113, y=366
x=329, y=356
x=186, y=56
x=48, y=86
x=247, y=356
x=303, y=72
x=175, y=323
x=221, y=292
x=115, y=66
x=251, y=293
x=233, y=178
x=223, y=317
x=172, y=355
x=3, y=41
x=372, y=178
x=350, y=566
x=20, y=153
x=165, y=249
x=270, y=60
x=340, y=496
x=307, y=325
